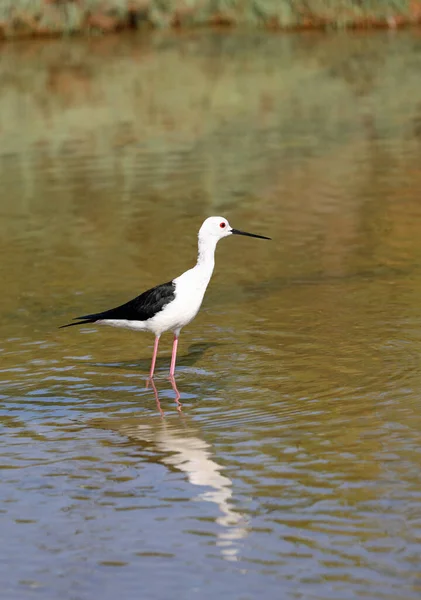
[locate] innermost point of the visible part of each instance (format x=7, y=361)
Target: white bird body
x=190, y=288
x=173, y=305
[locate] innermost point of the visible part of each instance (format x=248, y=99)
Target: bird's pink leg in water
x=174, y=355
x=155, y=352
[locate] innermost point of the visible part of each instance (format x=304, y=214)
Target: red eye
x=222, y=225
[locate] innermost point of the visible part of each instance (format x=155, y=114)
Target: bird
x=173, y=305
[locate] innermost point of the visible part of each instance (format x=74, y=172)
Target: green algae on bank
x=20, y=18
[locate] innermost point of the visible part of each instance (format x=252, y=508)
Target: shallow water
x=293, y=468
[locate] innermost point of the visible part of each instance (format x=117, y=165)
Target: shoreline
x=57, y=18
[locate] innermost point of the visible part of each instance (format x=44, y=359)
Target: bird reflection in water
x=180, y=448
x=151, y=381
x=193, y=456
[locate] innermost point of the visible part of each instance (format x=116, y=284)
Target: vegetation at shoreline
x=56, y=17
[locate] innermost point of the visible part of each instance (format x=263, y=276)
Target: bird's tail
x=81, y=321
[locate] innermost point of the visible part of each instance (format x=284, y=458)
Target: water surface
x=293, y=467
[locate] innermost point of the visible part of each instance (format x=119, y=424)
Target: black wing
x=141, y=308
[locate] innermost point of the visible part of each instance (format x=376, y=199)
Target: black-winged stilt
x=171, y=306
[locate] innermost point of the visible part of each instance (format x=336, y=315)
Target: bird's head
x=218, y=228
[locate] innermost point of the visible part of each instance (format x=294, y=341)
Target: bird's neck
x=206, y=256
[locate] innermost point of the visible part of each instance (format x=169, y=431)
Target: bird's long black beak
x=238, y=232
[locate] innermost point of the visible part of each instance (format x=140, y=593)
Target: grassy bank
x=55, y=17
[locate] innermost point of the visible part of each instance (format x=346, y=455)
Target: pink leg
x=155, y=352
x=174, y=355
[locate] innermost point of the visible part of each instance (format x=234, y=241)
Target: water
x=293, y=468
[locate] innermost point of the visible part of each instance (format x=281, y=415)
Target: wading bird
x=170, y=306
